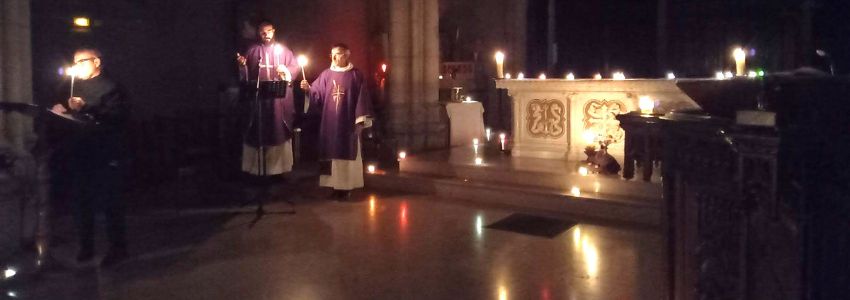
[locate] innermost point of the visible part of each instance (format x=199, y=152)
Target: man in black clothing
x=95, y=152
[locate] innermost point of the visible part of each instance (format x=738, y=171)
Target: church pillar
x=416, y=121
x=16, y=135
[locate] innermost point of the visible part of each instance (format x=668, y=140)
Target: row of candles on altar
x=738, y=54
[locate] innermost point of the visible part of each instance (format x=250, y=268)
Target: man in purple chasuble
x=268, y=61
x=341, y=95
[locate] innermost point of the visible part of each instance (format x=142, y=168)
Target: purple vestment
x=341, y=97
x=278, y=112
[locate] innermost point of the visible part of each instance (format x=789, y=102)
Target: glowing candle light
x=618, y=76
x=719, y=75
x=302, y=62
x=589, y=137
x=583, y=171
x=478, y=161
x=402, y=155
x=752, y=74
x=9, y=273
x=475, y=142
x=500, y=64
x=740, y=57
x=440, y=77
x=487, y=133
x=82, y=22
x=728, y=74
x=468, y=99
x=507, y=75
x=570, y=76
x=502, y=138
x=670, y=75
x=597, y=76
x=646, y=105
x=575, y=191
x=384, y=68
x=371, y=169
x=520, y=76
x=542, y=76
x=72, y=71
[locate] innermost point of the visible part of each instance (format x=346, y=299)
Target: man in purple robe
x=341, y=95
x=268, y=133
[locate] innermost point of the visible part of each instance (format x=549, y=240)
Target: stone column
x=416, y=119
x=16, y=133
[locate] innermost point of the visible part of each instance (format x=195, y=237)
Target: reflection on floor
x=390, y=246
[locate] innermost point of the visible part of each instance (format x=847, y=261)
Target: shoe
x=114, y=257
x=85, y=255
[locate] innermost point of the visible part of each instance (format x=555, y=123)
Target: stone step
x=594, y=205
x=551, y=174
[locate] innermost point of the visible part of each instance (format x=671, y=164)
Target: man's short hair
x=96, y=53
x=264, y=23
x=343, y=47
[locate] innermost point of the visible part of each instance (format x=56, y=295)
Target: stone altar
x=550, y=115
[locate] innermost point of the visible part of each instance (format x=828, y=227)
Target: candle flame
x=507, y=75
x=597, y=76
x=384, y=68
x=646, y=104
x=71, y=71
x=520, y=76
x=570, y=76
x=500, y=57
x=82, y=22
x=739, y=54
x=302, y=60
x=370, y=169
x=542, y=76
x=670, y=75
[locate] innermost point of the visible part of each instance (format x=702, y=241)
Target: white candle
x=475, y=142
x=500, y=64
x=502, y=137
x=740, y=61
x=268, y=72
x=302, y=61
x=570, y=76
x=487, y=133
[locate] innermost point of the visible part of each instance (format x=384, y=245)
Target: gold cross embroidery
x=337, y=94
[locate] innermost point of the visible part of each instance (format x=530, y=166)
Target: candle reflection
x=591, y=257
x=372, y=204
x=479, y=226
x=403, y=216
x=503, y=293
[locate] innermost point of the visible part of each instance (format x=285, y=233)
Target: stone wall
x=15, y=129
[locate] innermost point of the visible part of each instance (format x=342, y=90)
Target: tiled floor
x=380, y=247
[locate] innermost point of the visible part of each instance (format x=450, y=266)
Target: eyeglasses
x=84, y=60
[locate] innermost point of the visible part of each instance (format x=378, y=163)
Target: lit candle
x=589, y=137
x=479, y=161
x=583, y=171
x=575, y=191
x=618, y=76
x=302, y=61
x=597, y=76
x=370, y=169
x=728, y=74
x=475, y=142
x=500, y=64
x=384, y=68
x=570, y=76
x=646, y=105
x=542, y=76
x=520, y=76
x=670, y=75
x=719, y=75
x=507, y=75
x=402, y=155
x=72, y=71
x=487, y=133
x=268, y=74
x=502, y=138
x=740, y=61
x=752, y=74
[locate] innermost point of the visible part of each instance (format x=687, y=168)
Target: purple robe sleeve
x=317, y=94
x=288, y=59
x=364, y=100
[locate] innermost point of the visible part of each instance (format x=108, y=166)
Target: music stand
x=264, y=90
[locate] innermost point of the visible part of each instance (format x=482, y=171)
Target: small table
x=643, y=144
x=466, y=122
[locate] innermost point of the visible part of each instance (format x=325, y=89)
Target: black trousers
x=97, y=189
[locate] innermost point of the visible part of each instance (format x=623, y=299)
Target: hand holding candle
x=71, y=71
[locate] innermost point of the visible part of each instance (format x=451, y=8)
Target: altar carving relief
x=599, y=116
x=546, y=118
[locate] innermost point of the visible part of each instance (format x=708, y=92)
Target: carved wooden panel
x=546, y=118
x=600, y=117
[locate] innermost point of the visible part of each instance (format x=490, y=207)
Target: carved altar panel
x=600, y=117
x=546, y=118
